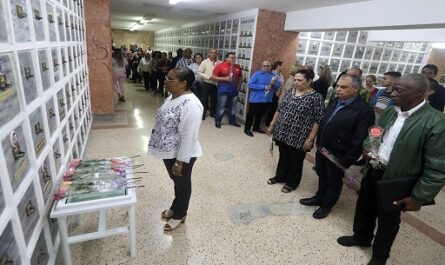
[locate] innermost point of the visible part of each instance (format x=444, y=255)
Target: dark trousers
x=271, y=111
x=255, y=114
x=367, y=211
x=154, y=80
x=329, y=181
x=146, y=76
x=183, y=187
x=161, y=80
x=207, y=90
x=290, y=165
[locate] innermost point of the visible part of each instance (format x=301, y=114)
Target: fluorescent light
x=142, y=21
x=173, y=2
x=438, y=45
x=136, y=26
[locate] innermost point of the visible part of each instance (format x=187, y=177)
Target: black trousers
x=367, y=211
x=290, y=165
x=205, y=91
x=255, y=114
x=161, y=80
x=271, y=111
x=183, y=187
x=146, y=76
x=329, y=181
x=154, y=80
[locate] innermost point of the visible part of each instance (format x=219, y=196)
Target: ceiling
x=125, y=13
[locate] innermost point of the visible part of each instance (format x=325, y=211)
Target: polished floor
x=234, y=216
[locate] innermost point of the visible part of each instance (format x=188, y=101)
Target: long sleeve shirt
x=144, y=65
x=176, y=130
x=195, y=68
x=206, y=70
x=257, y=85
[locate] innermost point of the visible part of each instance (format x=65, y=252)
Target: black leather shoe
x=235, y=124
x=212, y=115
x=351, y=241
x=321, y=213
x=312, y=201
x=259, y=130
x=376, y=261
x=218, y=125
x=248, y=132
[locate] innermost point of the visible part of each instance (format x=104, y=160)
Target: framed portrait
x=313, y=47
x=316, y=35
x=363, y=37
x=235, y=26
x=341, y=36
x=352, y=36
x=329, y=35
x=377, y=54
x=326, y=48
x=349, y=51
x=338, y=50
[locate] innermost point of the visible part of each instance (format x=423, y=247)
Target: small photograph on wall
x=377, y=54
x=299, y=60
x=345, y=64
x=407, y=45
x=233, y=40
x=363, y=37
x=229, y=27
x=16, y=155
x=335, y=64
x=368, y=53
x=329, y=35
x=316, y=35
x=326, y=48
x=390, y=44
x=310, y=61
x=302, y=46
x=392, y=67
x=341, y=36
x=382, y=69
x=313, y=47
x=352, y=36
x=222, y=29
x=400, y=68
x=322, y=62
x=419, y=58
x=412, y=57
x=373, y=68
x=396, y=56
x=408, y=69
x=349, y=51
x=338, y=50
x=381, y=43
x=359, y=51
x=386, y=55
x=304, y=34
x=235, y=26
x=217, y=28
x=398, y=45
x=365, y=67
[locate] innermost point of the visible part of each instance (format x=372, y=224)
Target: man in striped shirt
x=384, y=95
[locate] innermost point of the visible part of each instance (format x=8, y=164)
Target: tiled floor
x=234, y=216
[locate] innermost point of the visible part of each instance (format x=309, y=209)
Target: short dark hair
x=228, y=54
x=308, y=74
x=372, y=77
x=276, y=64
x=199, y=54
x=356, y=80
x=432, y=67
x=184, y=74
x=393, y=74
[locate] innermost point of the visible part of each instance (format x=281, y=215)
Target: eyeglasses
x=266, y=65
x=171, y=80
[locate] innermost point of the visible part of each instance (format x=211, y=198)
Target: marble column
x=272, y=42
x=98, y=37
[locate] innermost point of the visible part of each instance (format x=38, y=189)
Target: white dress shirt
x=390, y=136
x=206, y=70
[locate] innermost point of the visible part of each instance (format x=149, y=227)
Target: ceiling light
x=136, y=26
x=173, y=2
x=142, y=21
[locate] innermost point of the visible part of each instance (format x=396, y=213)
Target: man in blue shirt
x=262, y=85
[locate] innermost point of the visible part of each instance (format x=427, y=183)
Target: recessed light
x=173, y=2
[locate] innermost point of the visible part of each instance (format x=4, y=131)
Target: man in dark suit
x=437, y=99
x=342, y=131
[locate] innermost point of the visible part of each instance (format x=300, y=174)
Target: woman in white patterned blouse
x=175, y=140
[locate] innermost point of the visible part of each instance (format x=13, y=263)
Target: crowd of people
x=300, y=114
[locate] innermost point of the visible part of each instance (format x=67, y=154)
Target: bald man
x=262, y=85
x=412, y=146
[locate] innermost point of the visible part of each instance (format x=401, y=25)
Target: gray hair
x=356, y=80
x=417, y=81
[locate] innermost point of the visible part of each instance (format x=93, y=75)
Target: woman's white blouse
x=176, y=130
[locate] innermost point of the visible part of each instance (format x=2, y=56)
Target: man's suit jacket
x=343, y=135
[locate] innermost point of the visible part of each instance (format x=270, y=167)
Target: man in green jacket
x=412, y=145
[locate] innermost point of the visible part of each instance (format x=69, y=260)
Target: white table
x=62, y=209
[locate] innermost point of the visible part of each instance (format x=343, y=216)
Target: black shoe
x=212, y=115
x=235, y=124
x=351, y=241
x=248, y=132
x=376, y=261
x=218, y=125
x=321, y=213
x=312, y=201
x=259, y=130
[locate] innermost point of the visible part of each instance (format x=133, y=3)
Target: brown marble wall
x=437, y=57
x=272, y=42
x=98, y=36
x=141, y=38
